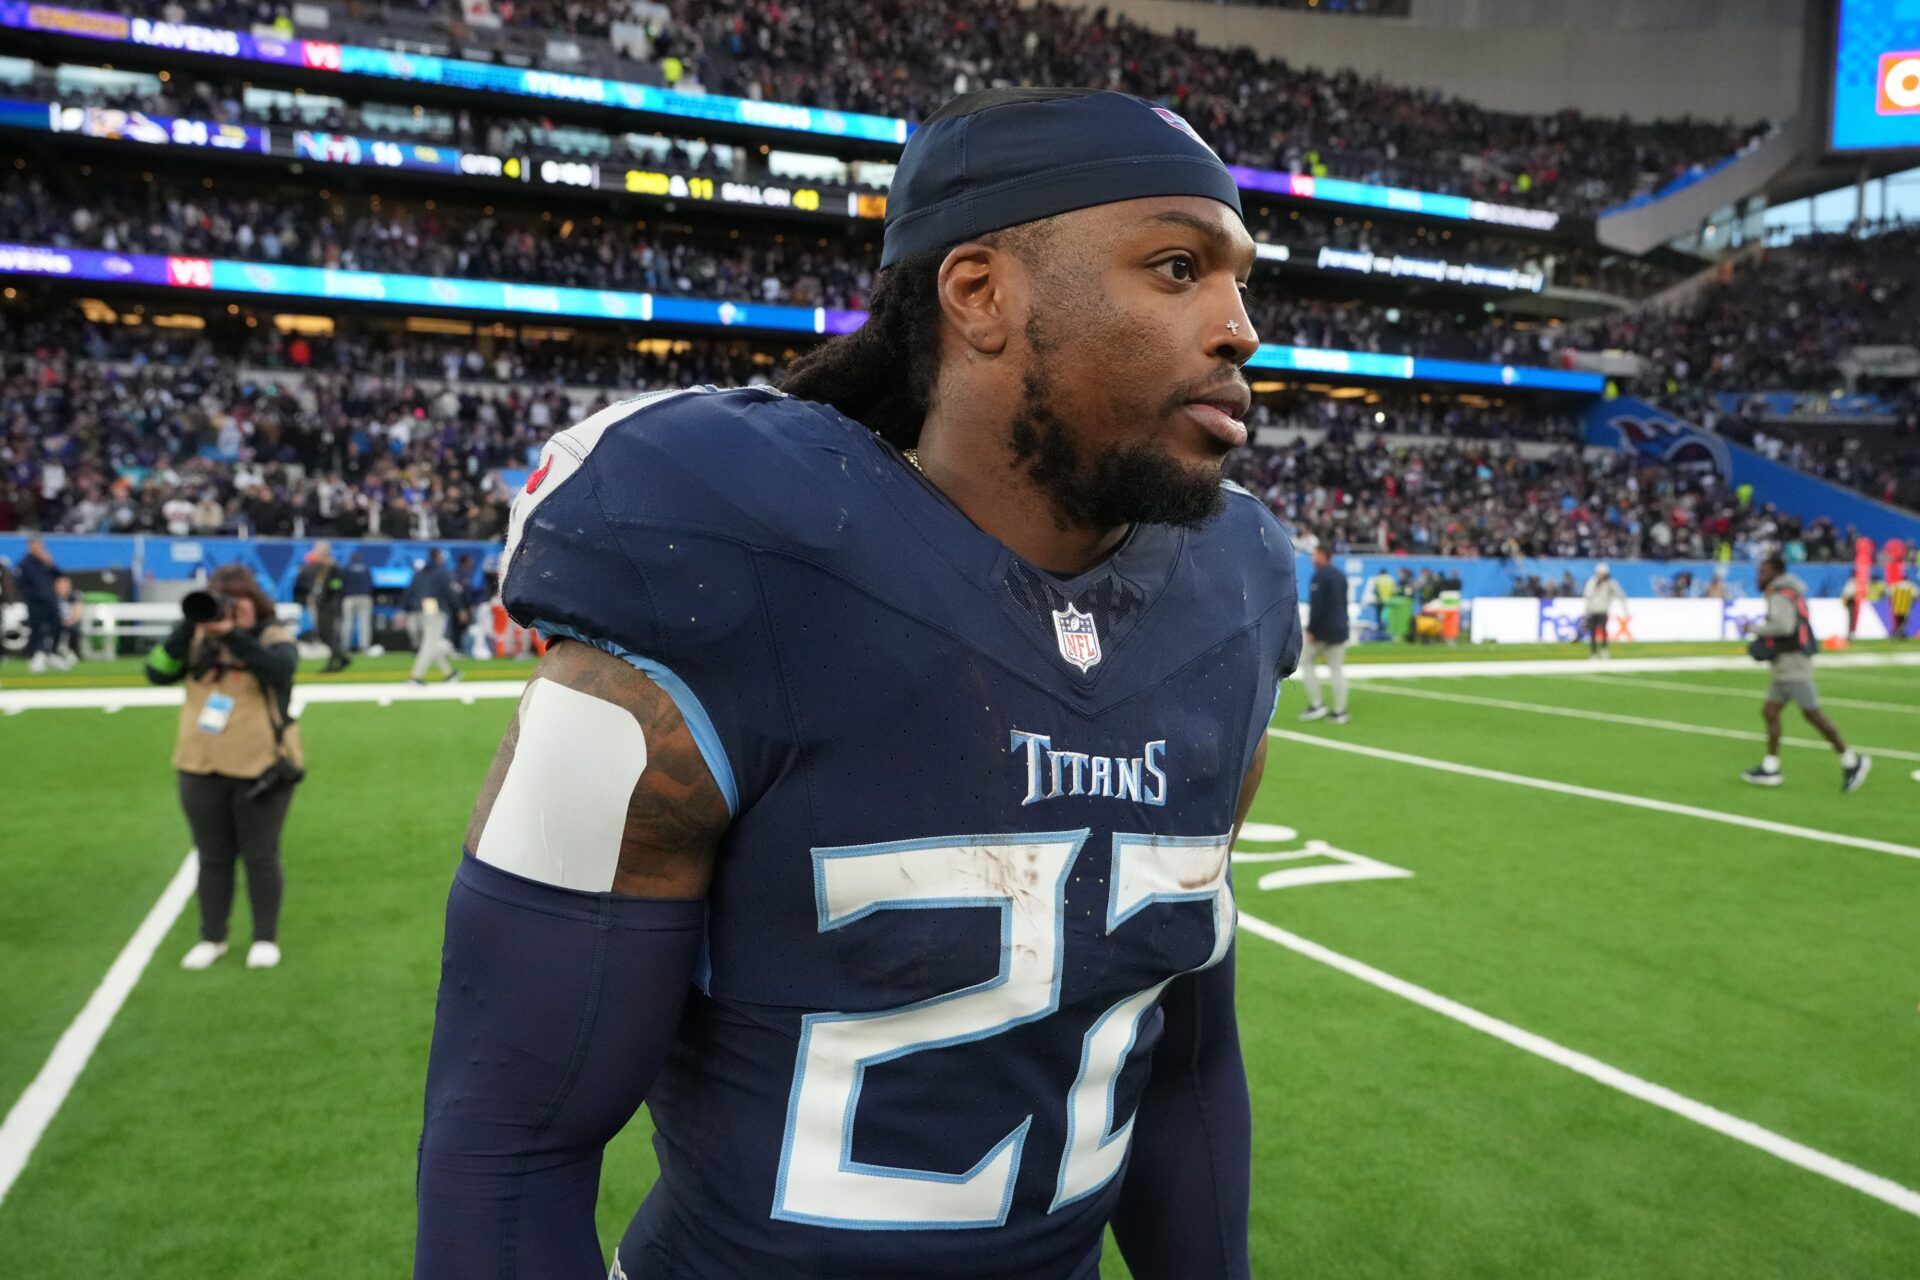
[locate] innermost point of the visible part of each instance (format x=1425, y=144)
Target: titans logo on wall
x=1079, y=639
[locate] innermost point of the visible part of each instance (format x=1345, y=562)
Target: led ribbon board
x=1426, y=204
x=225, y=275
x=114, y=125
x=1371, y=364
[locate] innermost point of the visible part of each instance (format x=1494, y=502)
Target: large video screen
x=1876, y=76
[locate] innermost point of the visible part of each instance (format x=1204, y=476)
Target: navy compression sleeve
x=1183, y=1206
x=556, y=1008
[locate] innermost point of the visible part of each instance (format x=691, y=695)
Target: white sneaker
x=37, y=664
x=1314, y=713
x=64, y=661
x=202, y=954
x=263, y=955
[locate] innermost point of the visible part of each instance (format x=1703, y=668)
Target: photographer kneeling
x=237, y=751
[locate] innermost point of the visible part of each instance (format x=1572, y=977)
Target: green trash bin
x=1397, y=616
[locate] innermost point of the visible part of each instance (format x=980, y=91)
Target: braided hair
x=882, y=374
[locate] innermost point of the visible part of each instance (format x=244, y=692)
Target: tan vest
x=245, y=748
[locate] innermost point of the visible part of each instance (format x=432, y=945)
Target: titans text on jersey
x=980, y=822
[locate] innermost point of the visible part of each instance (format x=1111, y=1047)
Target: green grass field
x=263, y=1124
x=392, y=667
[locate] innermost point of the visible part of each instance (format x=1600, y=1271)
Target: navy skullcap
x=1031, y=154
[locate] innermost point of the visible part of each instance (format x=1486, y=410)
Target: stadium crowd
x=106, y=431
x=1883, y=463
x=1305, y=229
x=112, y=434
x=1472, y=498
x=1780, y=319
x=904, y=59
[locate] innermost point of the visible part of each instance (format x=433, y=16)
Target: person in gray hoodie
x=1784, y=640
x=1600, y=596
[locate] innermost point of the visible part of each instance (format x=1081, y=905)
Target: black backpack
x=1767, y=648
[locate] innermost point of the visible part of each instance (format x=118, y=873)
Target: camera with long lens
x=201, y=607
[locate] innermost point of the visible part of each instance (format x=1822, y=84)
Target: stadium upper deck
x=859, y=74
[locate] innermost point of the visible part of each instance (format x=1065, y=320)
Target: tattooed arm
x=676, y=815
x=571, y=943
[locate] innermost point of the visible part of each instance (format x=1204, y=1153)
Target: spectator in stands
x=238, y=755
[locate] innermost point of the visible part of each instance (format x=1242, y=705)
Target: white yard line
x=1638, y=722
x=29, y=1117
x=1751, y=695
x=1872, y=1184
x=1609, y=797
x=1910, y=683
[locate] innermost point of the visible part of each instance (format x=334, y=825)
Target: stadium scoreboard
x=1873, y=102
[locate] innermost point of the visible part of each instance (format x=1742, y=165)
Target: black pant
x=43, y=627
x=326, y=620
x=1596, y=631
x=227, y=828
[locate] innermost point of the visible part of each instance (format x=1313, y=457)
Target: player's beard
x=1135, y=483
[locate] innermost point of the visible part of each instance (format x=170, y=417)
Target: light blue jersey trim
x=699, y=723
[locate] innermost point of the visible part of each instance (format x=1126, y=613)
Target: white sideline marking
x=1752, y=695
x=14, y=701
x=1595, y=793
x=1444, y=670
x=1640, y=722
x=1872, y=1184
x=29, y=1117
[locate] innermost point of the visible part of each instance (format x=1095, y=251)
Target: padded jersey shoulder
x=750, y=464
x=1249, y=544
x=636, y=533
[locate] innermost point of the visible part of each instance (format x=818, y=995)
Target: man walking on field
x=1327, y=634
x=1784, y=640
x=1600, y=595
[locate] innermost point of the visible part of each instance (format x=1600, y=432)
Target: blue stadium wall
x=276, y=562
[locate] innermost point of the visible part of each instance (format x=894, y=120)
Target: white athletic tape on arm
x=563, y=805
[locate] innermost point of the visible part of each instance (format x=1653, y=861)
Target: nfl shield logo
x=1079, y=641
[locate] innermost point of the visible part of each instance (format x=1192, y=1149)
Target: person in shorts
x=1784, y=640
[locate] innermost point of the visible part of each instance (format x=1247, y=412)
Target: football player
x=870, y=817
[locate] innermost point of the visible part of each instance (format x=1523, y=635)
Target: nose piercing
x=1233, y=326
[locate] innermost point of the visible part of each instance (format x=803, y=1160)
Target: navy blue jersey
x=981, y=818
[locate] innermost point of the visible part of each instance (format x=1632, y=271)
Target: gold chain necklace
x=913, y=460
